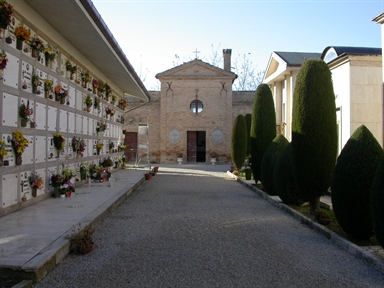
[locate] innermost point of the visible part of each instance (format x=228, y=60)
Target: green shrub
x=285, y=183
x=263, y=127
x=269, y=161
x=314, y=137
x=239, y=141
x=352, y=182
x=377, y=203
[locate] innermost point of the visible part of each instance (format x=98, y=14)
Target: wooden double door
x=196, y=146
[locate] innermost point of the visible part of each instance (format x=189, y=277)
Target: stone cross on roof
x=196, y=52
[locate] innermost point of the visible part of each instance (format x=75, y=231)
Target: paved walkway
x=193, y=228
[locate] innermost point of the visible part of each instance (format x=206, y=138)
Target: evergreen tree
x=352, y=182
x=314, y=137
x=263, y=127
x=269, y=162
x=377, y=204
x=239, y=141
x=248, y=121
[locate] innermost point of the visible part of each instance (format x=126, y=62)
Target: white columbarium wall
x=71, y=118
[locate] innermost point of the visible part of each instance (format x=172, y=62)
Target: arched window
x=196, y=106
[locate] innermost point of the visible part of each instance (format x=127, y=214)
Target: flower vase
x=51, y=64
x=94, y=90
x=34, y=89
x=8, y=40
x=35, y=53
x=62, y=195
x=58, y=153
x=23, y=122
x=98, y=151
x=18, y=159
x=1, y=33
x=34, y=192
x=62, y=100
x=46, y=94
x=83, y=175
x=19, y=44
x=68, y=74
x=47, y=61
x=88, y=109
x=56, y=192
x=1, y=161
x=57, y=97
x=84, y=84
x=68, y=194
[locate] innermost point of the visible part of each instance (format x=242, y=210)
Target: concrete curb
x=341, y=242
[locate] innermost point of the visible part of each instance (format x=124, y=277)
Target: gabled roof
x=332, y=52
x=297, y=58
x=82, y=26
x=196, y=69
x=282, y=63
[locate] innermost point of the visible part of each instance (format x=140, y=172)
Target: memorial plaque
x=30, y=106
x=40, y=149
x=51, y=150
x=85, y=126
x=11, y=73
x=9, y=159
x=26, y=77
x=63, y=121
x=10, y=110
x=11, y=31
x=42, y=173
x=70, y=153
x=28, y=152
x=40, y=116
x=63, y=68
x=54, y=84
x=27, y=50
x=50, y=172
x=40, y=88
x=80, y=101
x=52, y=116
x=71, y=122
x=25, y=188
x=9, y=187
x=71, y=98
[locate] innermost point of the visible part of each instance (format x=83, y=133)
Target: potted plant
x=37, y=46
x=96, y=104
x=85, y=77
x=107, y=163
x=99, y=146
x=48, y=85
x=101, y=126
x=66, y=189
x=19, y=143
x=70, y=69
x=22, y=34
x=6, y=12
x=180, y=158
x=322, y=217
x=78, y=146
x=81, y=240
x=50, y=54
x=59, y=142
x=122, y=104
x=35, y=83
x=3, y=62
x=3, y=152
x=36, y=182
x=95, y=85
x=88, y=103
x=113, y=99
x=60, y=94
x=148, y=175
x=83, y=171
x=24, y=113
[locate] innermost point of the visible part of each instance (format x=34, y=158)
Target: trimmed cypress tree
x=248, y=120
x=377, y=203
x=352, y=182
x=269, y=162
x=285, y=183
x=263, y=127
x=239, y=141
x=314, y=137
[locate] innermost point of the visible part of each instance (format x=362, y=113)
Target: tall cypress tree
x=248, y=121
x=239, y=141
x=263, y=127
x=314, y=138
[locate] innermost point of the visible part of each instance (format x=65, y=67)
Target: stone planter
x=180, y=160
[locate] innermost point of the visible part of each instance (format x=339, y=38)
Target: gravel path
x=192, y=228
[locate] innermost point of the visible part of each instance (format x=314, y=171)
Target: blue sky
x=151, y=33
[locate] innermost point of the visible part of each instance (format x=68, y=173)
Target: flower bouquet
x=78, y=146
x=60, y=93
x=50, y=53
x=95, y=85
x=36, y=182
x=22, y=34
x=101, y=88
x=99, y=173
x=48, y=85
x=99, y=146
x=96, y=104
x=6, y=13
x=37, y=46
x=101, y=126
x=3, y=59
x=85, y=77
x=59, y=142
x=35, y=83
x=71, y=69
x=19, y=143
x=3, y=152
x=111, y=146
x=113, y=99
x=83, y=171
x=107, y=90
x=88, y=102
x=122, y=104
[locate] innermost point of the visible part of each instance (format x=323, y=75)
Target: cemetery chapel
x=190, y=117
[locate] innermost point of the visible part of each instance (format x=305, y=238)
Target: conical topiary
x=377, y=203
x=239, y=141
